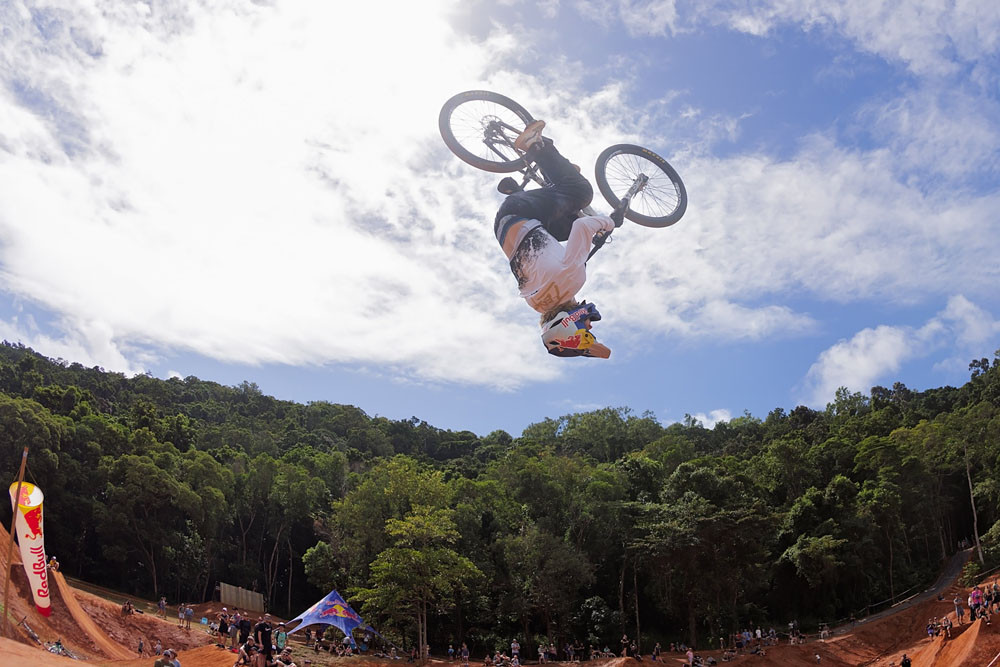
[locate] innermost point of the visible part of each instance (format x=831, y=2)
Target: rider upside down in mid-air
x=530, y=225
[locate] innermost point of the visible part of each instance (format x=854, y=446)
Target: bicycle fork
x=637, y=186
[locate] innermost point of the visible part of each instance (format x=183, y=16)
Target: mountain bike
x=58, y=648
x=480, y=126
x=31, y=633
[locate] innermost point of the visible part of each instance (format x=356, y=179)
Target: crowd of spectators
x=262, y=644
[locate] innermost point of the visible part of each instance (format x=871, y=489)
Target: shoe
x=618, y=215
x=508, y=186
x=531, y=136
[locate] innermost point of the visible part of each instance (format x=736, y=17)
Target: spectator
x=262, y=633
x=234, y=631
x=244, y=654
x=245, y=627
x=280, y=637
x=284, y=659
x=223, y=619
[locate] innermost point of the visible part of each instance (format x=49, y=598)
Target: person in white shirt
x=530, y=225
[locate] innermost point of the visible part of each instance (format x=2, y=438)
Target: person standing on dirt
x=188, y=615
x=280, y=637
x=223, y=626
x=245, y=627
x=262, y=633
x=905, y=662
x=959, y=610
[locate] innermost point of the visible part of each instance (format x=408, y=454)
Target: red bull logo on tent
x=31, y=541
x=339, y=611
x=331, y=610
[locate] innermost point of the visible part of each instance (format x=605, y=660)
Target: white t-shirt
x=549, y=274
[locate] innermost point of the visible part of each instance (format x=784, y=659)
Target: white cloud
x=872, y=354
x=938, y=133
x=265, y=184
x=257, y=184
x=713, y=417
x=927, y=36
x=857, y=363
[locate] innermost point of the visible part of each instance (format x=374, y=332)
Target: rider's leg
x=554, y=206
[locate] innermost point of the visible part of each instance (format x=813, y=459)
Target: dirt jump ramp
x=945, y=652
x=113, y=649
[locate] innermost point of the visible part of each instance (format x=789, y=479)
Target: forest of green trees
x=582, y=527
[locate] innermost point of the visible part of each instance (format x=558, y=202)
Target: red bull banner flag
x=31, y=541
x=331, y=610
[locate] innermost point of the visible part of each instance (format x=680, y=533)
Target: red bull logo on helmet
x=581, y=341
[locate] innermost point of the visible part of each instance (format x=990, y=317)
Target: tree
x=419, y=571
x=546, y=572
x=145, y=508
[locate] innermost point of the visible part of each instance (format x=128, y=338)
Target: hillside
x=581, y=528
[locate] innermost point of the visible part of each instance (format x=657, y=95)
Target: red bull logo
x=573, y=342
x=338, y=610
x=33, y=520
x=28, y=528
x=581, y=341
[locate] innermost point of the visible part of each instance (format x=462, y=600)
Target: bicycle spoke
x=470, y=124
x=658, y=198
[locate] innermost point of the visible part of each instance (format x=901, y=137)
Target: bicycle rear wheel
x=480, y=127
x=659, y=203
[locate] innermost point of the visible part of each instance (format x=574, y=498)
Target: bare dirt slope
x=107, y=646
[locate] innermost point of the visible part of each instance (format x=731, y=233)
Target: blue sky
x=257, y=191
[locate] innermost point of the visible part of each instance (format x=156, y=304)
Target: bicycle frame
x=494, y=134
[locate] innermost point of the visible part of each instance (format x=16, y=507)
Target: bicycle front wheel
x=661, y=199
x=480, y=127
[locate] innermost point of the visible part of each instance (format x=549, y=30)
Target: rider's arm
x=581, y=236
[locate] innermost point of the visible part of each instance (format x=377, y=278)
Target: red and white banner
x=31, y=541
